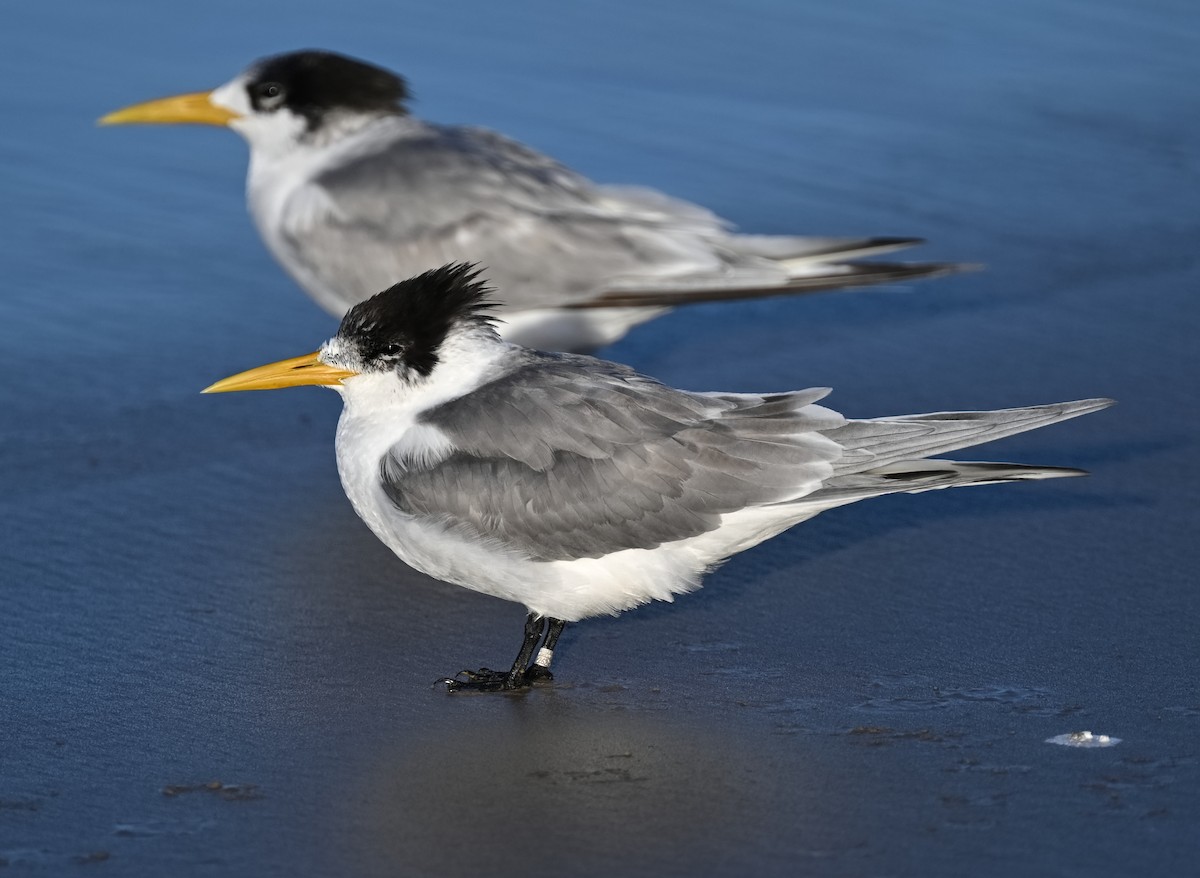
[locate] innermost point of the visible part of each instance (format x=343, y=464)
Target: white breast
x=381, y=416
x=285, y=202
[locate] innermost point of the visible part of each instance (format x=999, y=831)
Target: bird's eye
x=391, y=349
x=268, y=93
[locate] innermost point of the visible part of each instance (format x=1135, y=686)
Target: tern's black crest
x=312, y=83
x=407, y=323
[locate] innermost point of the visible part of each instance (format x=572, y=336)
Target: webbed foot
x=524, y=672
x=487, y=680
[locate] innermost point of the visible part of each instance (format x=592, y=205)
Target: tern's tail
x=915, y=476
x=875, y=443
x=891, y=455
x=801, y=265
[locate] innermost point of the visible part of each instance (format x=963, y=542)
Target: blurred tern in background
x=579, y=487
x=349, y=191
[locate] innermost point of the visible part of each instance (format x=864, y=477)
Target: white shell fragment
x=1083, y=739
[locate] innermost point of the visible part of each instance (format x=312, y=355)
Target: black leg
x=486, y=680
x=552, y=631
x=540, y=669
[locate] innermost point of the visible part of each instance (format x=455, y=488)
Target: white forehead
x=233, y=96
x=337, y=352
x=271, y=135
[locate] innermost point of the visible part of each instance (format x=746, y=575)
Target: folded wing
x=567, y=458
x=428, y=195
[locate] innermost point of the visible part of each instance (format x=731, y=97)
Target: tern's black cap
x=408, y=322
x=312, y=83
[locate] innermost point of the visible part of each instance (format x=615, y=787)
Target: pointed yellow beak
x=189, y=109
x=286, y=373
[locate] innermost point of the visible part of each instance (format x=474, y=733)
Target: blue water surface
x=210, y=666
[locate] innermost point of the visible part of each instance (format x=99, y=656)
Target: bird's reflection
x=596, y=781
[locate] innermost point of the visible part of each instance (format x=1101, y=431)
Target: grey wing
x=547, y=236
x=559, y=460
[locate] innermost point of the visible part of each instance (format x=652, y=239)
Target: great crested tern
x=349, y=192
x=579, y=487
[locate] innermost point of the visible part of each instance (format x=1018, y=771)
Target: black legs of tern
x=516, y=678
x=524, y=671
x=540, y=669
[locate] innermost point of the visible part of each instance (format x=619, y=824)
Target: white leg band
x=543, y=657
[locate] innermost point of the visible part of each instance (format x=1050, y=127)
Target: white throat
x=381, y=414
x=382, y=410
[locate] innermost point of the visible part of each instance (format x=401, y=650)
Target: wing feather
x=565, y=458
x=468, y=194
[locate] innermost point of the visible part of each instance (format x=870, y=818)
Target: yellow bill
x=190, y=109
x=295, y=372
